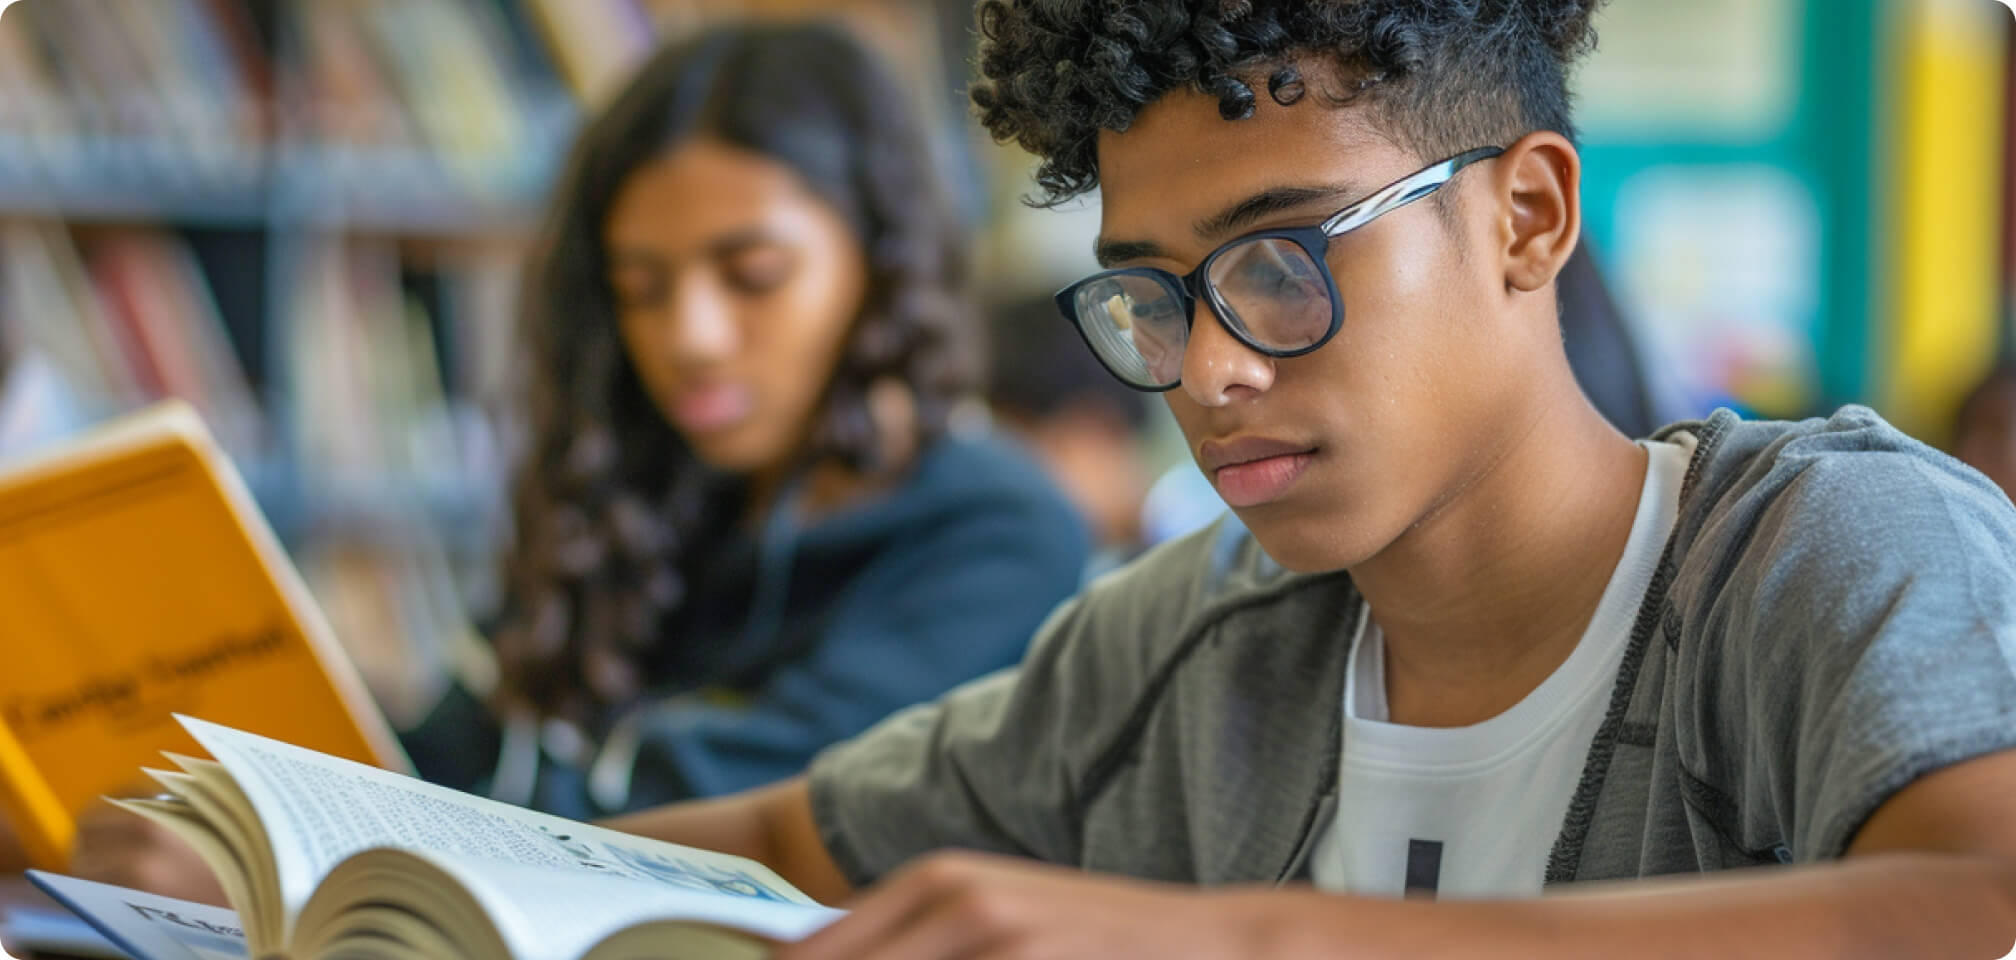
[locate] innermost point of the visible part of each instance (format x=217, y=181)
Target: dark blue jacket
x=796, y=641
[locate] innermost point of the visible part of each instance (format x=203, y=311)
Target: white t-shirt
x=1474, y=811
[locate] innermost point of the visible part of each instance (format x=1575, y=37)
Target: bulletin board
x=1731, y=203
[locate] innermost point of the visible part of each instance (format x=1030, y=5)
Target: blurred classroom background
x=307, y=218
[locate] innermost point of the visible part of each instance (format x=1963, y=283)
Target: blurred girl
x=745, y=529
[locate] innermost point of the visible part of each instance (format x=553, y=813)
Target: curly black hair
x=611, y=505
x=1442, y=76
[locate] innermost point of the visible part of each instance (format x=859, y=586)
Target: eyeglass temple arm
x=1403, y=192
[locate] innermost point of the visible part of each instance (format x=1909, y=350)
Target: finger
x=103, y=819
x=869, y=921
x=876, y=917
x=114, y=832
x=954, y=927
x=100, y=835
x=120, y=865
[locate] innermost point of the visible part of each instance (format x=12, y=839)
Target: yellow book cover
x=139, y=580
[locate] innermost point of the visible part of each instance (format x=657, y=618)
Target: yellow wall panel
x=1946, y=209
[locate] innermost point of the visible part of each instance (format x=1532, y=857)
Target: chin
x=1306, y=544
x=733, y=453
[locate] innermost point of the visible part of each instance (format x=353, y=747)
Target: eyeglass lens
x=1274, y=295
x=1274, y=292
x=1137, y=326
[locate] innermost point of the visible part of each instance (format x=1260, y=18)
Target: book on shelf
x=396, y=602
x=128, y=321
x=322, y=857
x=385, y=385
x=151, y=284
x=244, y=112
x=144, y=86
x=48, y=301
x=447, y=64
x=387, y=397
x=595, y=42
x=138, y=579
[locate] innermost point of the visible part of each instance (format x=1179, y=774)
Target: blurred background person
x=1984, y=433
x=744, y=528
x=1600, y=347
x=1086, y=428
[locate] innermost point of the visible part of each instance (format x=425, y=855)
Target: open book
x=324, y=857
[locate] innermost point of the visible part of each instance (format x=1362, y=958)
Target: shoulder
x=1738, y=455
x=1851, y=479
x=1841, y=621
x=1835, y=516
x=976, y=474
x=1136, y=619
x=965, y=496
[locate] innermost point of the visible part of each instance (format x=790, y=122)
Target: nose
x=701, y=324
x=1217, y=368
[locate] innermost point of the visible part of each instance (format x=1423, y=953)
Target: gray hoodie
x=1833, y=616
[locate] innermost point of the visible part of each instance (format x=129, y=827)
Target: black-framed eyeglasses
x=1272, y=290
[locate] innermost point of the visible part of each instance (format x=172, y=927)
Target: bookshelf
x=306, y=217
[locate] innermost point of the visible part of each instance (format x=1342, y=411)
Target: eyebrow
x=1241, y=214
x=727, y=243
x=1267, y=203
x=1110, y=252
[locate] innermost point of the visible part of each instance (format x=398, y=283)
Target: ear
x=1539, y=208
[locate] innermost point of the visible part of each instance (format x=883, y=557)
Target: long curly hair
x=1443, y=76
x=611, y=506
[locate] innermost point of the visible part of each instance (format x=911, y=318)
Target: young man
x=1478, y=644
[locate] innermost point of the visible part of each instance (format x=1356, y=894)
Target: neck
x=765, y=488
x=823, y=489
x=829, y=485
x=1489, y=593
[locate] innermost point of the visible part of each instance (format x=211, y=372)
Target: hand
x=118, y=847
x=12, y=858
x=976, y=906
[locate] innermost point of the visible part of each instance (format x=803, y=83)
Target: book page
x=180, y=819
x=144, y=925
x=318, y=810
x=535, y=916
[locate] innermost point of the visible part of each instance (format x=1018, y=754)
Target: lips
x=711, y=407
x=1250, y=471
